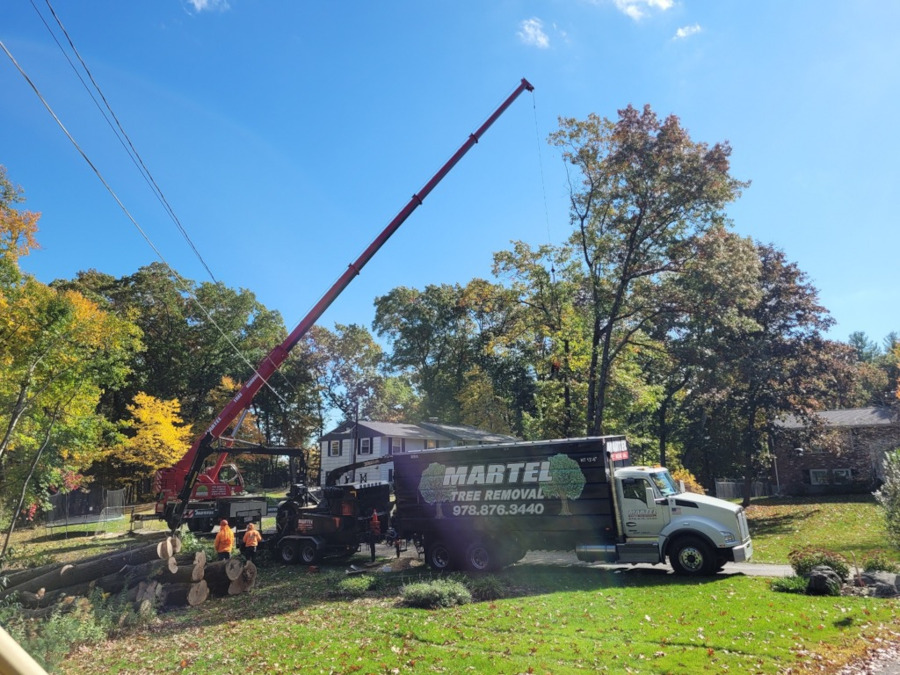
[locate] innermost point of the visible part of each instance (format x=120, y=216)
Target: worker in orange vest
x=224, y=540
x=252, y=539
x=374, y=532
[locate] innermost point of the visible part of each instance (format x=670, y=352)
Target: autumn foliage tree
x=156, y=438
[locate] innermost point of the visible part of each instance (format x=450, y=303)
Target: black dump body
x=508, y=498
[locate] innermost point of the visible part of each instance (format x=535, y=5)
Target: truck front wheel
x=691, y=556
x=438, y=556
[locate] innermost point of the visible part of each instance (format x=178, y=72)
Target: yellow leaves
x=160, y=437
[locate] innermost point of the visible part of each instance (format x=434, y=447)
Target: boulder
x=823, y=581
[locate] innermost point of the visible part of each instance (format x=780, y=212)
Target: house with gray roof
x=353, y=442
x=842, y=452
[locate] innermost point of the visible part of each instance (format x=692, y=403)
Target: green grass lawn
x=551, y=620
x=541, y=619
x=852, y=525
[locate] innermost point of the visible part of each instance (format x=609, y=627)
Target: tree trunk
x=245, y=582
x=220, y=574
x=73, y=574
x=185, y=595
x=182, y=574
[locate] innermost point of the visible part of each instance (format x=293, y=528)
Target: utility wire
x=130, y=217
x=118, y=130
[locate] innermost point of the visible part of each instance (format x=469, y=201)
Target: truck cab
x=657, y=519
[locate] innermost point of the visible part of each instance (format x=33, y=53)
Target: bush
x=804, y=559
x=433, y=594
x=790, y=585
x=691, y=484
x=889, y=495
x=353, y=586
x=487, y=587
x=879, y=561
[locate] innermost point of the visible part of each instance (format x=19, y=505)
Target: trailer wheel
x=691, y=556
x=309, y=552
x=290, y=552
x=438, y=556
x=478, y=557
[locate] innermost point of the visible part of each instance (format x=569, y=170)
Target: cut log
x=220, y=574
x=185, y=595
x=196, y=558
x=245, y=582
x=182, y=574
x=78, y=573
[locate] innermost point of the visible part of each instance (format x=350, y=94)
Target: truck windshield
x=664, y=483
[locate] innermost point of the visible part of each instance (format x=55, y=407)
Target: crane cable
x=130, y=217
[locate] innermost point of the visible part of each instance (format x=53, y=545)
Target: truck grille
x=742, y=523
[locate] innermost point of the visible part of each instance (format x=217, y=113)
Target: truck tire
x=691, y=556
x=290, y=552
x=478, y=557
x=438, y=556
x=309, y=552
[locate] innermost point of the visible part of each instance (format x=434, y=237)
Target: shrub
x=433, y=594
x=889, y=495
x=789, y=585
x=487, y=587
x=878, y=561
x=353, y=586
x=804, y=559
x=691, y=484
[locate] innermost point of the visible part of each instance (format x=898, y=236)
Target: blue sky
x=286, y=135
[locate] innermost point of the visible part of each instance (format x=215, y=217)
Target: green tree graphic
x=566, y=481
x=432, y=488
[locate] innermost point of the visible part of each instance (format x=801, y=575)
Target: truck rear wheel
x=309, y=552
x=290, y=552
x=438, y=556
x=478, y=557
x=691, y=556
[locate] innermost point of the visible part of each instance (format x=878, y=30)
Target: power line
x=118, y=129
x=128, y=214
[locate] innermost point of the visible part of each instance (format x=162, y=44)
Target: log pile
x=151, y=576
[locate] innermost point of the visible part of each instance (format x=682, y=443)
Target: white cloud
x=208, y=5
x=532, y=34
x=638, y=9
x=687, y=31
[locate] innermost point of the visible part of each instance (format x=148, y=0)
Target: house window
x=818, y=476
x=365, y=446
x=334, y=449
x=390, y=475
x=429, y=444
x=841, y=476
x=396, y=446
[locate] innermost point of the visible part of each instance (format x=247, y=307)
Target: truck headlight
x=729, y=537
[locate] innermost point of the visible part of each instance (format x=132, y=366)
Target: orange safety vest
x=375, y=523
x=252, y=538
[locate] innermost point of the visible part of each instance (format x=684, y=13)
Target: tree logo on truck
x=566, y=481
x=432, y=487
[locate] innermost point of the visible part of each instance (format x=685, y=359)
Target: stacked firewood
x=151, y=576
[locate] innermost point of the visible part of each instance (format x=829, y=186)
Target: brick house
x=355, y=442
x=844, y=455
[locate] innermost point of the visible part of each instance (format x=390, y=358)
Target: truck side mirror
x=651, y=496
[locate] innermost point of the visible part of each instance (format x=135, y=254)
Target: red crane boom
x=189, y=466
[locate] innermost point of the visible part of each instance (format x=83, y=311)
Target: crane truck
x=482, y=507
x=203, y=496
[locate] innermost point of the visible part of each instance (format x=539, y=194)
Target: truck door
x=641, y=516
